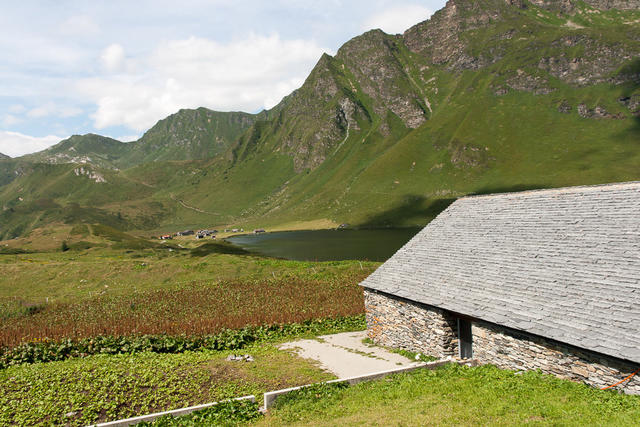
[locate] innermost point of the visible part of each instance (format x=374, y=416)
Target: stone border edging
x=175, y=412
x=270, y=397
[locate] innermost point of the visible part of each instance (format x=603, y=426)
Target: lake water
x=327, y=245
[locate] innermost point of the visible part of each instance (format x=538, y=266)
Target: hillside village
x=202, y=234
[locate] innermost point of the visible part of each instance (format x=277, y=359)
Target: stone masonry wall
x=392, y=322
x=509, y=349
x=399, y=323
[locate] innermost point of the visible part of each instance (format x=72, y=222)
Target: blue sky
x=116, y=67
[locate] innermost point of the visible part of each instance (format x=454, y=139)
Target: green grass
x=455, y=395
x=99, y=388
x=74, y=276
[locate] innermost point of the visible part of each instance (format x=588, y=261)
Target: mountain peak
x=4, y=157
x=189, y=134
x=87, y=148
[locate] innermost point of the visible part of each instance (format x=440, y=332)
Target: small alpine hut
x=546, y=279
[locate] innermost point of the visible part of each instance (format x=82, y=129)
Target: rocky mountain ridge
x=185, y=135
x=488, y=95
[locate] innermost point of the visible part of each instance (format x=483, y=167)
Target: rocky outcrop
x=570, y=5
x=316, y=118
x=598, y=64
x=597, y=112
x=614, y=4
x=526, y=82
x=89, y=173
x=631, y=102
x=468, y=155
x=439, y=38
x=564, y=107
x=561, y=5
x=372, y=58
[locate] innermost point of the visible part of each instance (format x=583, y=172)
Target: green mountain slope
x=4, y=157
x=485, y=96
x=185, y=135
x=488, y=95
x=188, y=135
x=89, y=148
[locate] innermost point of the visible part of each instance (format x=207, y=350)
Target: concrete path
x=346, y=355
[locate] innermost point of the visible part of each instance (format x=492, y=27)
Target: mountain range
x=485, y=96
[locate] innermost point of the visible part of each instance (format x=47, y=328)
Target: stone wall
x=399, y=323
x=510, y=349
x=393, y=322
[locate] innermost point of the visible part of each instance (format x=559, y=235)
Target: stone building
x=546, y=279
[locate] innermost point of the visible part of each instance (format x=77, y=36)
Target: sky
x=116, y=67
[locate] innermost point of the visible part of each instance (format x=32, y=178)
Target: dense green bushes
x=48, y=351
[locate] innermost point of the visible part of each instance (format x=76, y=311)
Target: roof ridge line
x=575, y=188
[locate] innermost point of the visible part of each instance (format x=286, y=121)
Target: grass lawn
x=454, y=395
x=99, y=388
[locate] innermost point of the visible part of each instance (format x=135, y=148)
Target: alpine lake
x=327, y=245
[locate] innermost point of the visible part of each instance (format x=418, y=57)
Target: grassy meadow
x=179, y=288
x=457, y=395
x=124, y=326
x=128, y=325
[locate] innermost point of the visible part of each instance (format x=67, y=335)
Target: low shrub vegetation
x=103, y=387
x=227, y=339
x=198, y=309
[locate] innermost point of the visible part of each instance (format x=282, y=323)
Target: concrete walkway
x=345, y=355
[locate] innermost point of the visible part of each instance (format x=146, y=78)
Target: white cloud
x=127, y=138
x=52, y=109
x=247, y=74
x=397, y=19
x=113, y=57
x=132, y=63
x=16, y=144
x=10, y=120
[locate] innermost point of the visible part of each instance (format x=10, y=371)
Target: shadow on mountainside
x=419, y=210
x=631, y=89
x=414, y=211
x=496, y=189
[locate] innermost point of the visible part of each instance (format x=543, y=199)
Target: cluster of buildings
x=201, y=234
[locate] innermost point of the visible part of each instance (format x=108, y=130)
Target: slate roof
x=563, y=264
